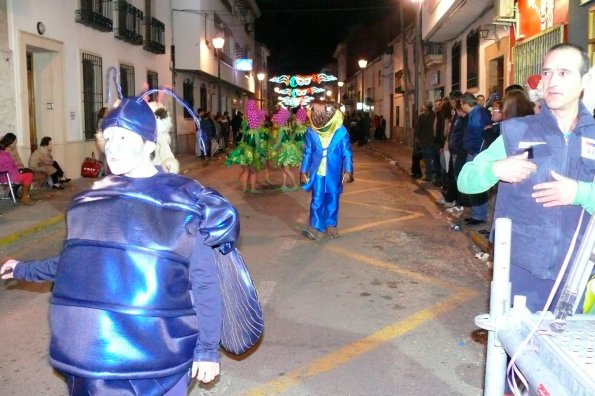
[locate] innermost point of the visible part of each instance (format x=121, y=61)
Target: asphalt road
x=385, y=309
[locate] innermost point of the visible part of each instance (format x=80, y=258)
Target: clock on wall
x=40, y=28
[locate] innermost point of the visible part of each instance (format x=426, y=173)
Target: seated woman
x=41, y=160
x=9, y=143
x=8, y=164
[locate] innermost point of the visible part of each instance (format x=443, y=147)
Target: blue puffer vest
x=541, y=236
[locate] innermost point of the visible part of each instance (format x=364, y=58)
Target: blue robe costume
x=326, y=189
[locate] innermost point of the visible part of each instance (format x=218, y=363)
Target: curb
x=479, y=240
x=15, y=236
x=56, y=219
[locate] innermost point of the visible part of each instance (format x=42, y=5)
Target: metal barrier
x=554, y=363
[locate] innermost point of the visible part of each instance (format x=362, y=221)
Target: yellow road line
x=378, y=223
x=387, y=183
x=401, y=271
x=364, y=190
x=345, y=354
x=32, y=230
x=393, y=209
x=364, y=345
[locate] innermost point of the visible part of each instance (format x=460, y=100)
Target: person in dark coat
x=425, y=139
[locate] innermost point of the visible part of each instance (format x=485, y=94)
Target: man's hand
x=7, y=269
x=347, y=177
x=514, y=169
x=207, y=371
x=303, y=178
x=561, y=191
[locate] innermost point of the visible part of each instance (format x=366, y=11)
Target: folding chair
x=41, y=181
x=8, y=184
x=214, y=147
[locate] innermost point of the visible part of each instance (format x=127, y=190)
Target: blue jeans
x=479, y=202
x=429, y=153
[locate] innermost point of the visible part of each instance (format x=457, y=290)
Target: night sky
x=303, y=34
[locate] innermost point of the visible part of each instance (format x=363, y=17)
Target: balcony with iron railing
x=130, y=20
x=154, y=36
x=434, y=54
x=223, y=57
x=96, y=14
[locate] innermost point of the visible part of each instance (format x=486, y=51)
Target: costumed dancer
x=269, y=135
x=163, y=153
x=137, y=300
x=250, y=153
x=287, y=154
x=300, y=126
x=326, y=165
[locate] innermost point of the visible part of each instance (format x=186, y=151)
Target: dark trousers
x=59, y=173
x=429, y=153
x=451, y=191
x=416, y=158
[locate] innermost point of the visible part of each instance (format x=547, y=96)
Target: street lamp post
x=260, y=77
x=339, y=84
x=362, y=64
x=218, y=43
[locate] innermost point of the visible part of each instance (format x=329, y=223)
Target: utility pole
x=408, y=134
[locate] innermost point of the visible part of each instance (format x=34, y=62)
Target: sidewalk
x=18, y=221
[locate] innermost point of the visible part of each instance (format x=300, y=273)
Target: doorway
x=496, y=76
x=31, y=103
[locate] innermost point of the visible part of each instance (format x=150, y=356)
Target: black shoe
x=474, y=221
x=64, y=180
x=57, y=187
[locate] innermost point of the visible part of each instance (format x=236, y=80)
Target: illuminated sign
x=299, y=80
x=289, y=101
x=243, y=64
x=296, y=92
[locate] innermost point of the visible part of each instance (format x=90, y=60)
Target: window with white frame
x=92, y=93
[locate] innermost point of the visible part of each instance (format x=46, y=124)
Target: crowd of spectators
x=451, y=131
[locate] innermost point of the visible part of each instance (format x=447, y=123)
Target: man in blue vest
x=545, y=167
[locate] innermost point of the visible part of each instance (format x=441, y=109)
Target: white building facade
x=56, y=55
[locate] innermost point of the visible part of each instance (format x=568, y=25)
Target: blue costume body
x=326, y=189
x=136, y=297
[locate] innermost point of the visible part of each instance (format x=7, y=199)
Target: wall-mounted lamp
x=362, y=63
x=260, y=76
x=484, y=32
x=218, y=42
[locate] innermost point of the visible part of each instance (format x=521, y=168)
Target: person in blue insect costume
x=137, y=306
x=326, y=165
